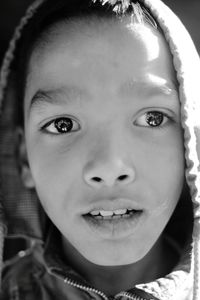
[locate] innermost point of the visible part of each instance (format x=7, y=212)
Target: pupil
x=63, y=125
x=154, y=118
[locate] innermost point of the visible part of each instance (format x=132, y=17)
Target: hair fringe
x=139, y=12
x=119, y=6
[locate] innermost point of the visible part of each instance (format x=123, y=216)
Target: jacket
x=40, y=271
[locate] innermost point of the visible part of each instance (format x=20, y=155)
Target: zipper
x=67, y=280
x=129, y=296
x=85, y=288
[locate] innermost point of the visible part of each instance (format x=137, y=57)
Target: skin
x=114, y=75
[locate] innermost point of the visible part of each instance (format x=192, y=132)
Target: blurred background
x=12, y=10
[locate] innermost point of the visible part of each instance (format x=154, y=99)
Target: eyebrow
x=58, y=96
x=75, y=94
x=153, y=88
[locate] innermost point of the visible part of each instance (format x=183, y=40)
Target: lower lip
x=115, y=228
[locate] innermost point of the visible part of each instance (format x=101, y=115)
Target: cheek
x=162, y=163
x=56, y=170
x=165, y=172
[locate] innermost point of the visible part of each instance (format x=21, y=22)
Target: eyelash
x=161, y=114
x=70, y=121
x=60, y=121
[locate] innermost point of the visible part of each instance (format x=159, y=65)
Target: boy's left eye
x=152, y=119
x=61, y=125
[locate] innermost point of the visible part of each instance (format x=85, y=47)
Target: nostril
x=122, y=177
x=109, y=178
x=97, y=179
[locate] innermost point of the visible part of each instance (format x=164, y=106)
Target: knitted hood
x=21, y=214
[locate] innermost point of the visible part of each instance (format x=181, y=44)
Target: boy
x=99, y=140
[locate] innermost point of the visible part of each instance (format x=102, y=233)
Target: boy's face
x=103, y=134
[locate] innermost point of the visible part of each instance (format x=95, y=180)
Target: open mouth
x=112, y=215
x=115, y=224
x=114, y=218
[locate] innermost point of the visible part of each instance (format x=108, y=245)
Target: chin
x=113, y=263
x=115, y=258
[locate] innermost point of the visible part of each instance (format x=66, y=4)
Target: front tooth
x=95, y=212
x=120, y=211
x=106, y=213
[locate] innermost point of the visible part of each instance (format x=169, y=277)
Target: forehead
x=93, y=30
x=81, y=51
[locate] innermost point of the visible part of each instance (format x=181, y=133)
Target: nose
x=110, y=173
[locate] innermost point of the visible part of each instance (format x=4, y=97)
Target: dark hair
x=52, y=12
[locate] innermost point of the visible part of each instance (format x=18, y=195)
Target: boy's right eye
x=61, y=125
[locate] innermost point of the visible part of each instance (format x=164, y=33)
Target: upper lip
x=112, y=204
